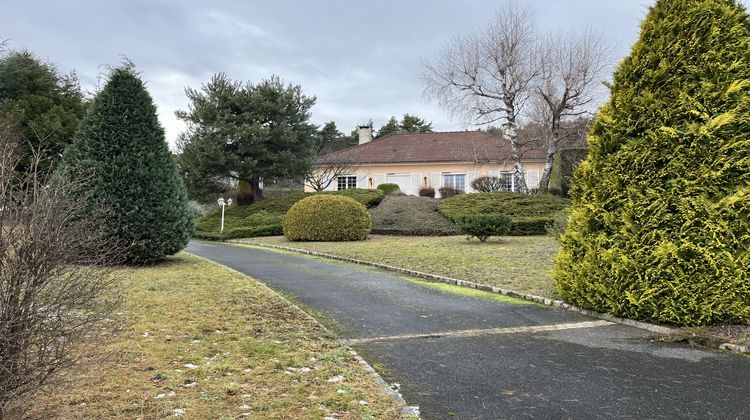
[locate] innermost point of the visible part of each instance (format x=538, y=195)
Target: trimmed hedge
x=447, y=192
x=409, y=215
x=327, y=218
x=482, y=226
x=660, y=224
x=264, y=218
x=389, y=188
x=529, y=214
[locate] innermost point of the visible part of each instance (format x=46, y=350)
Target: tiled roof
x=456, y=146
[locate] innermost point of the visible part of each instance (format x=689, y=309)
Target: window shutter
x=471, y=176
x=416, y=183
x=378, y=179
x=435, y=182
x=362, y=181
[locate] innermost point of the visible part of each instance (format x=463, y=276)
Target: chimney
x=365, y=133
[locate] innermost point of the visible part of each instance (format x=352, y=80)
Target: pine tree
x=660, y=222
x=391, y=127
x=121, y=150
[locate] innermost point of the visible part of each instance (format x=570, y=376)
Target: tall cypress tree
x=120, y=149
x=660, y=222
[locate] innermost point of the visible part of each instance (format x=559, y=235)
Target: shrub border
x=658, y=329
x=405, y=409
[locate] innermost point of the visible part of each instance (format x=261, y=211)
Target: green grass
x=520, y=263
x=264, y=218
x=240, y=335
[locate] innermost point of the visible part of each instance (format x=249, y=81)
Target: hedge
x=327, y=218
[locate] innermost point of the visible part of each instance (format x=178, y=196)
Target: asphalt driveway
x=464, y=357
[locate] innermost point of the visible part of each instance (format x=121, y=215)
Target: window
x=346, y=182
x=507, y=181
x=457, y=181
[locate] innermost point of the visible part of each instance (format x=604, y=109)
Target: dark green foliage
x=391, y=127
x=45, y=106
x=133, y=175
x=246, y=132
x=447, y=192
x=327, y=218
x=487, y=184
x=530, y=214
x=264, y=218
x=427, y=192
x=559, y=224
x=561, y=176
x=409, y=124
x=389, y=188
x=408, y=215
x=482, y=226
x=660, y=223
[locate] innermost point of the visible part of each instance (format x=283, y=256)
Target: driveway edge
x=406, y=410
x=658, y=329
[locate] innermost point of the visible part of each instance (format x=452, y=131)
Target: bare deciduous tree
x=328, y=166
x=571, y=67
x=55, y=287
x=487, y=77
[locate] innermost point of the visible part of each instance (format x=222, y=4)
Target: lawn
x=207, y=342
x=520, y=263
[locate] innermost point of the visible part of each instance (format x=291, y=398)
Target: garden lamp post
x=223, y=204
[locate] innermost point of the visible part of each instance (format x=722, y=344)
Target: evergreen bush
x=121, y=150
x=389, y=188
x=660, y=223
x=482, y=226
x=327, y=218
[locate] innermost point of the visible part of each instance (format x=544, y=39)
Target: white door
x=403, y=181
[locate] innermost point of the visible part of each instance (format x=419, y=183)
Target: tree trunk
x=519, y=174
x=257, y=192
x=551, y=152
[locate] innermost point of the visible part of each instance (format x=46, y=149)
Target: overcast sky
x=361, y=60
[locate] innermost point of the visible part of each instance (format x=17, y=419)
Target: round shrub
x=482, y=226
x=389, y=188
x=660, y=223
x=327, y=218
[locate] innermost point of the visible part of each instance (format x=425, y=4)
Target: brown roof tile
x=456, y=146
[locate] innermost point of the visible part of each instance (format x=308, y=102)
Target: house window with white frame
x=507, y=181
x=457, y=181
x=346, y=182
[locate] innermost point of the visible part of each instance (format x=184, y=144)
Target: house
x=417, y=160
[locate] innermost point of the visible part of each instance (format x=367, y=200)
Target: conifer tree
x=121, y=150
x=660, y=222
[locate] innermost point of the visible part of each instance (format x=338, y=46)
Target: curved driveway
x=461, y=357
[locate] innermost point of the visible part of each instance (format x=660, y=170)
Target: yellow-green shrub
x=660, y=222
x=327, y=218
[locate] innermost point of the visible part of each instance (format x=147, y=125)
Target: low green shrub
x=559, y=223
x=389, y=188
x=409, y=215
x=327, y=218
x=529, y=214
x=482, y=226
x=530, y=225
x=447, y=192
x=264, y=218
x=427, y=192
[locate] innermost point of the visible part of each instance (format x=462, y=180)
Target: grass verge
x=206, y=342
x=520, y=263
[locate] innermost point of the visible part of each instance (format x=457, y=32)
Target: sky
x=362, y=60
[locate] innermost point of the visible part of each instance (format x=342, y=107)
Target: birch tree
x=487, y=77
x=571, y=67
